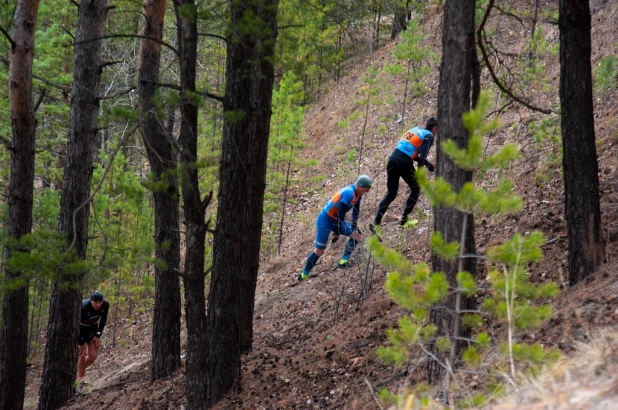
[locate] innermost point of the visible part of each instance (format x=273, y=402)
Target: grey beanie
x=363, y=182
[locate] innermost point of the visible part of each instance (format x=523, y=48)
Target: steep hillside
x=315, y=343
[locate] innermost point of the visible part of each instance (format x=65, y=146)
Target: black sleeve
x=83, y=310
x=103, y=320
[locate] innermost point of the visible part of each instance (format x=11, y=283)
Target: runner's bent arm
x=355, y=213
x=103, y=320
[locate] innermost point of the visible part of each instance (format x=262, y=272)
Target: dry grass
x=587, y=380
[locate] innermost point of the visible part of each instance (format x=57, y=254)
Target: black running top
x=92, y=317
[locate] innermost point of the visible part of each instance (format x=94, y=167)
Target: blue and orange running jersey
x=342, y=202
x=415, y=143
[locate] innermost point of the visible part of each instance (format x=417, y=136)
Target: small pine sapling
x=511, y=295
x=606, y=74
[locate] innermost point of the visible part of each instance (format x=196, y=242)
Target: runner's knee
x=319, y=252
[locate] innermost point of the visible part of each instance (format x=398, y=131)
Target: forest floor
x=315, y=344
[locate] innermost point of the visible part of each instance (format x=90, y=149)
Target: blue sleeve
x=346, y=203
x=356, y=211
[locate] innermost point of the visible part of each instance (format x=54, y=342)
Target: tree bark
x=454, y=94
x=195, y=303
x=248, y=94
x=21, y=185
x=399, y=18
x=579, y=158
x=63, y=329
x=162, y=157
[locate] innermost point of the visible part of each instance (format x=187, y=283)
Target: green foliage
x=533, y=354
x=548, y=139
x=606, y=74
x=440, y=247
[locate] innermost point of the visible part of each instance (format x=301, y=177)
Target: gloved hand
x=425, y=163
x=335, y=238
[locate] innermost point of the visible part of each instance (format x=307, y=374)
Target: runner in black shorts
x=91, y=325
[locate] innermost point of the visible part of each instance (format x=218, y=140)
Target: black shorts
x=86, y=334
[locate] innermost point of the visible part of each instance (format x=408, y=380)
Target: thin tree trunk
x=61, y=348
x=362, y=136
x=162, y=157
x=21, y=185
x=194, y=207
x=285, y=201
x=579, y=161
x=236, y=249
x=535, y=19
x=405, y=96
x=454, y=95
x=378, y=18
x=35, y=301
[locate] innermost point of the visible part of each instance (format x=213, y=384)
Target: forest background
x=344, y=92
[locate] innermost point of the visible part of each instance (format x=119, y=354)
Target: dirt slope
x=315, y=343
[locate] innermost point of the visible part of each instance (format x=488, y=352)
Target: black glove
x=335, y=238
x=425, y=163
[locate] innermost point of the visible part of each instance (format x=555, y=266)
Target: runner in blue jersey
x=414, y=145
x=332, y=219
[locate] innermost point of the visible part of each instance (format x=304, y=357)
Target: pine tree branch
x=205, y=203
x=180, y=273
x=166, y=85
x=212, y=36
x=479, y=41
x=289, y=26
x=471, y=255
x=6, y=143
x=108, y=63
x=212, y=96
x=8, y=37
x=62, y=87
x=40, y=100
x=118, y=94
x=129, y=36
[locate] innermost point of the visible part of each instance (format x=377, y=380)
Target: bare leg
x=93, y=352
x=81, y=362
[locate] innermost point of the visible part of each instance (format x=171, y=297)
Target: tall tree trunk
x=15, y=304
x=236, y=248
x=579, y=158
x=399, y=18
x=454, y=93
x=162, y=157
x=61, y=348
x=194, y=207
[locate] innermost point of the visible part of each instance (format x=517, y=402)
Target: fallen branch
x=373, y=394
